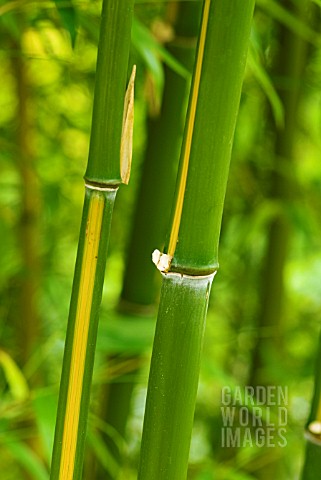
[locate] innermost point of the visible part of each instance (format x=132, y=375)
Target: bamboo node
x=100, y=188
x=162, y=260
x=209, y=277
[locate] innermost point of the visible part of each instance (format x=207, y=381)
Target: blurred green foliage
x=57, y=43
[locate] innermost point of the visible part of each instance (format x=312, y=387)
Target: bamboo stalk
x=190, y=261
x=111, y=126
x=312, y=461
x=28, y=315
x=288, y=71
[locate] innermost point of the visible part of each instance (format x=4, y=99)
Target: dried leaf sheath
x=126, y=146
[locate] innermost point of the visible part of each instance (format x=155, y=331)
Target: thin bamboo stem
x=288, y=69
x=26, y=317
x=81, y=335
x=112, y=123
x=28, y=329
x=287, y=72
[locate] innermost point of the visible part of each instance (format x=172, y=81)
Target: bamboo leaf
x=68, y=17
x=15, y=378
x=126, y=335
x=297, y=26
x=146, y=46
x=10, y=22
x=149, y=46
x=103, y=454
x=267, y=86
x=25, y=457
x=45, y=407
x=153, y=54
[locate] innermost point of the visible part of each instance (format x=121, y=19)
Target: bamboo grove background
x=264, y=313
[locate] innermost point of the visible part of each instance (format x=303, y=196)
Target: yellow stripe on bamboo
x=78, y=358
x=189, y=134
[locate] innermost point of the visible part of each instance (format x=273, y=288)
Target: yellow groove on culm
x=86, y=288
x=189, y=133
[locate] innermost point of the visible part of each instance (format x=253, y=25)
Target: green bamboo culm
x=191, y=261
x=108, y=167
x=288, y=70
x=312, y=462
